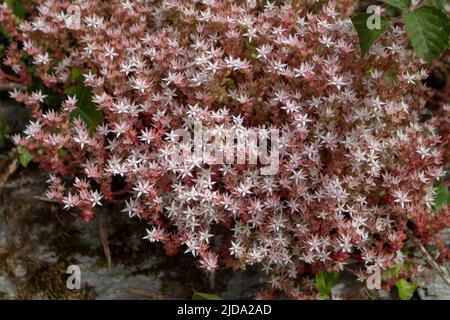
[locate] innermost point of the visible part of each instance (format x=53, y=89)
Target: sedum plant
x=356, y=171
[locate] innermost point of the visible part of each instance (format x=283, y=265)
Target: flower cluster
x=13, y=69
x=356, y=166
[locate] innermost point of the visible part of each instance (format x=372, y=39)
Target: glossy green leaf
x=206, y=296
x=53, y=99
x=440, y=4
x=86, y=109
x=324, y=282
x=405, y=289
x=367, y=36
x=428, y=29
x=401, y=4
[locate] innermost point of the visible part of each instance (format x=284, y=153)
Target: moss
x=4, y=258
x=67, y=241
x=50, y=280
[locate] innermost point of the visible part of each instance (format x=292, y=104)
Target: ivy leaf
x=86, y=109
x=53, y=99
x=440, y=4
x=25, y=156
x=206, y=296
x=367, y=36
x=405, y=289
x=442, y=196
x=324, y=282
x=428, y=30
x=401, y=4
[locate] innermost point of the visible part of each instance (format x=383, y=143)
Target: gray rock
x=433, y=287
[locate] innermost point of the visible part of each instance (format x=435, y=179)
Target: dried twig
x=432, y=261
x=45, y=199
x=150, y=295
x=12, y=167
x=368, y=293
x=55, y=213
x=104, y=240
x=11, y=86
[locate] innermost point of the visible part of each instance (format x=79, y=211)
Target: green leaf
x=53, y=99
x=75, y=74
x=18, y=7
x=324, y=282
x=401, y=4
x=86, y=109
x=390, y=78
x=428, y=30
x=405, y=289
x=206, y=296
x=440, y=4
x=63, y=153
x=392, y=272
x=230, y=83
x=25, y=156
x=367, y=36
x=442, y=196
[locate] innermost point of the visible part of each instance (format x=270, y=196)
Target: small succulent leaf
x=25, y=156
x=324, y=282
x=405, y=289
